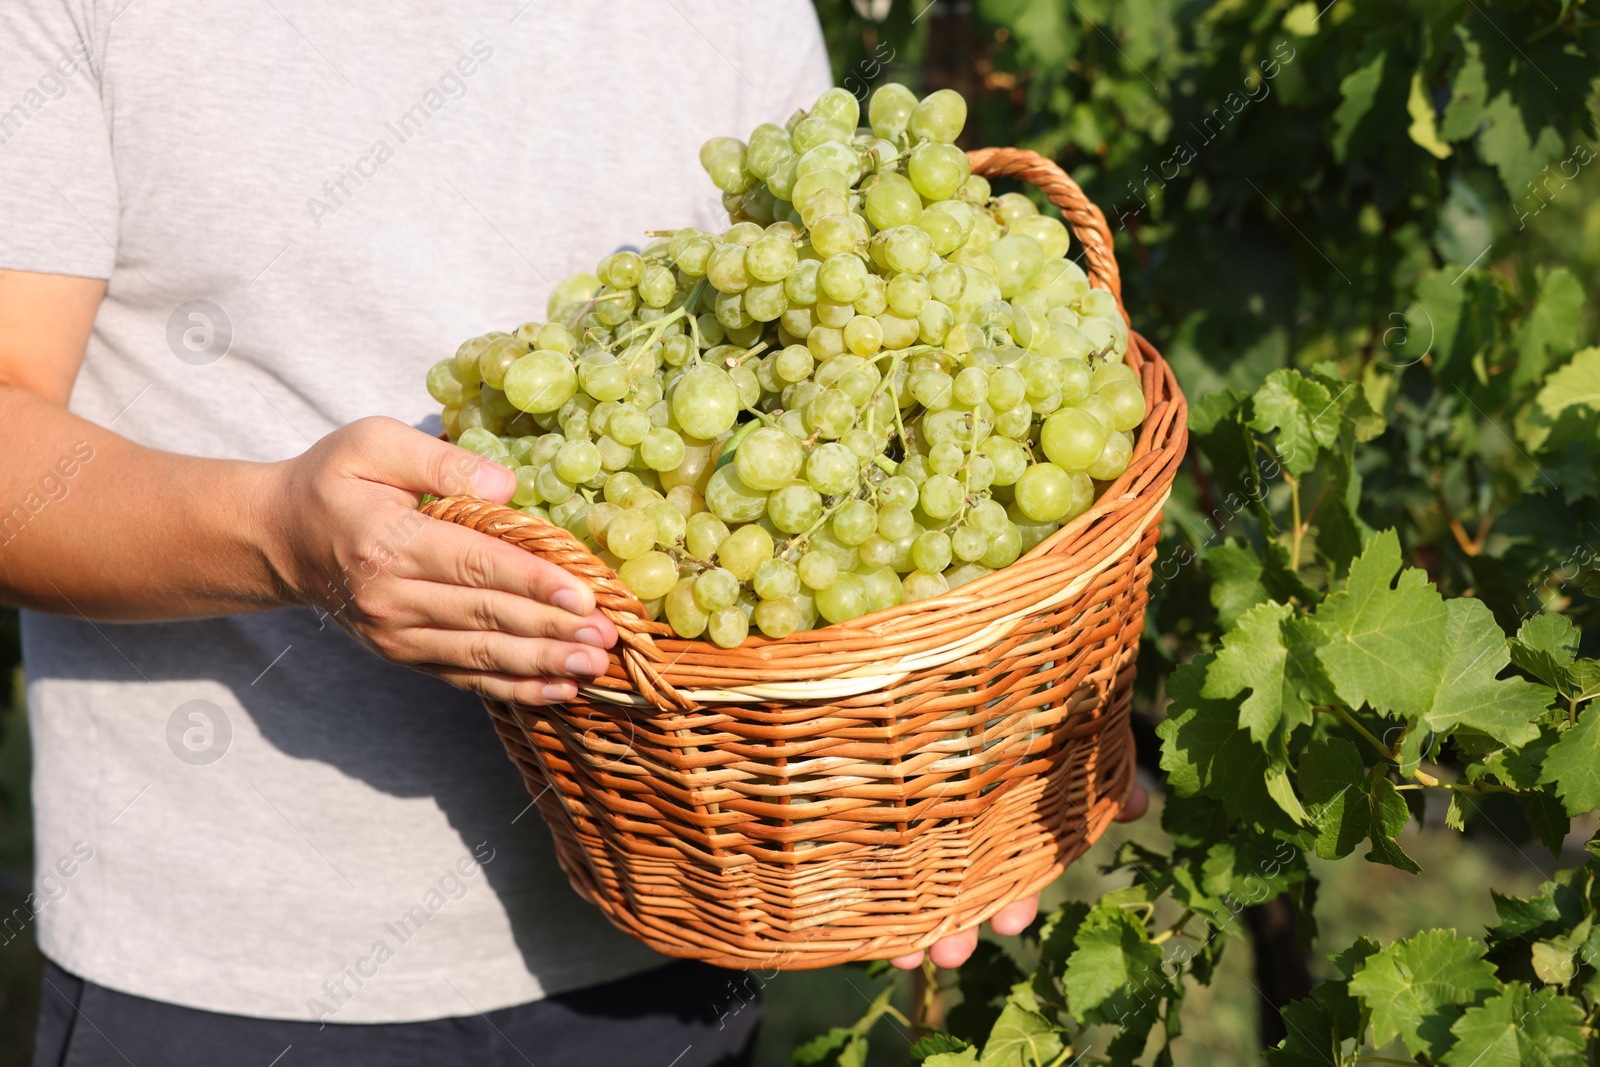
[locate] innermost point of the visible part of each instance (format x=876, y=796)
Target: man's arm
x=135, y=533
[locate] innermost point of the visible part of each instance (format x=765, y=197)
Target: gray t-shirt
x=300, y=206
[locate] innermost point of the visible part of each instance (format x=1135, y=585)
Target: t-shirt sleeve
x=58, y=190
x=791, y=62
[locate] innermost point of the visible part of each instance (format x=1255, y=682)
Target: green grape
x=882, y=588
x=937, y=170
x=840, y=233
x=844, y=599
x=934, y=322
x=854, y=522
x=931, y=551
x=891, y=204
x=614, y=455
x=726, y=270
x=800, y=284
x=817, y=570
x=630, y=534
x=831, y=414
x=1127, y=403
x=622, y=270
x=577, y=461
x=661, y=449
x=798, y=321
x=540, y=382
x=1043, y=493
x=889, y=109
x=731, y=500
x=1050, y=233
x=1004, y=547
x=908, y=249
x=526, y=492
x=776, y=578
x=894, y=521
x=598, y=517
x=1107, y=373
x=833, y=315
x=650, y=575
x=934, y=390
x=971, y=386
x=946, y=457
x=768, y=458
x=898, y=490
x=1110, y=464
x=908, y=294
x=1099, y=407
x=969, y=542
x=1009, y=207
x=863, y=335
x=641, y=496
x=941, y=496
x=444, y=386
x=763, y=302
x=496, y=357
x=875, y=551
x=704, y=534
x=862, y=443
x=603, y=381
x=727, y=627
x=873, y=299
x=808, y=185
x=715, y=589
x=924, y=585
x=670, y=522
x=841, y=278
x=1018, y=260
x=777, y=617
x=943, y=231
x=628, y=425
x=694, y=255
x=1008, y=458
x=838, y=105
x=744, y=550
x=833, y=469
x=794, y=363
x=465, y=360
x=684, y=614
x=794, y=508
x=1007, y=388
x=618, y=485
x=770, y=258
x=484, y=443
x=938, y=117
x=1073, y=439
x=705, y=401
x=915, y=468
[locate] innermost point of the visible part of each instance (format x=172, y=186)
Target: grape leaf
x=1115, y=974
x=1470, y=692
x=1569, y=402
x=1519, y=1028
x=967, y=1057
x=1020, y=1038
x=940, y=1048
x=1546, y=647
x=823, y=1047
x=1312, y=1040
x=1332, y=780
x=1269, y=654
x=1424, y=127
x=1468, y=95
x=1389, y=817
x=1418, y=988
x=1573, y=764
x=1547, y=818
x=1299, y=409
x=1359, y=90
x=1235, y=572
x=1506, y=144
x=1552, y=329
x=1204, y=751
x=1382, y=645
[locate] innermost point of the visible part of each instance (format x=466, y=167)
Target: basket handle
x=638, y=651
x=1087, y=221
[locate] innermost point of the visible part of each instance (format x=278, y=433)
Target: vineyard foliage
x=1367, y=235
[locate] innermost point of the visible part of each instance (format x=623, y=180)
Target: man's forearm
x=95, y=525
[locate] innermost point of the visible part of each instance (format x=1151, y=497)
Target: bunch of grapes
x=880, y=383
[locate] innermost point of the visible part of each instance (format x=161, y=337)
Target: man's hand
x=1014, y=918
x=340, y=530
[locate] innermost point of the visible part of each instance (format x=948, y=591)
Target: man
x=229, y=234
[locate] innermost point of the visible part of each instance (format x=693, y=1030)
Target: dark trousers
x=679, y=1015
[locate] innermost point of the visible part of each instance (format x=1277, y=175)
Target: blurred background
x=1287, y=183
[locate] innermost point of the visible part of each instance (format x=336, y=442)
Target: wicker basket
x=858, y=791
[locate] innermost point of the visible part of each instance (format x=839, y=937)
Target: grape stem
x=735, y=360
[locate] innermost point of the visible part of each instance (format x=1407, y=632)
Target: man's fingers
x=909, y=962
x=489, y=652
x=505, y=687
x=452, y=607
x=1138, y=803
x=446, y=552
x=1015, y=917
x=953, y=951
x=394, y=454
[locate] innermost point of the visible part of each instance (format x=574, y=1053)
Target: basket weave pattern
x=858, y=791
